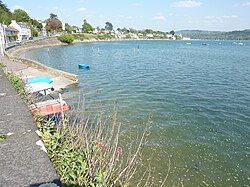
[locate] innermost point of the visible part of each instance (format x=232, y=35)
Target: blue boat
x=36, y=79
x=83, y=66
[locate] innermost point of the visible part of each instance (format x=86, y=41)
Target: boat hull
x=83, y=66
x=48, y=107
x=36, y=79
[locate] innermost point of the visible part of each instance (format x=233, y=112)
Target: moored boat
x=83, y=66
x=41, y=87
x=35, y=79
x=48, y=107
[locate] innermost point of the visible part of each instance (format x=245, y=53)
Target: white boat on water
x=239, y=43
x=188, y=43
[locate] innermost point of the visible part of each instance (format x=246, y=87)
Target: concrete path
x=22, y=162
x=24, y=70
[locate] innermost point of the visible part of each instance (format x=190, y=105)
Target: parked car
x=18, y=41
x=31, y=38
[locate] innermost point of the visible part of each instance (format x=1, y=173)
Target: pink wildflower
x=119, y=150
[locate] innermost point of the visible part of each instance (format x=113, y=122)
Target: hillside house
x=24, y=30
x=11, y=34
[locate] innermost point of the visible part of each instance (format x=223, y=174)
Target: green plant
x=90, y=154
x=1, y=65
x=17, y=83
x=66, y=38
x=2, y=136
x=34, y=32
x=11, y=35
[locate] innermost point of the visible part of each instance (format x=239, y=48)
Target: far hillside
x=216, y=35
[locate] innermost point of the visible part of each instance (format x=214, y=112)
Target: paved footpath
x=22, y=162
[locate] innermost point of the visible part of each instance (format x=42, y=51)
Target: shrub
x=17, y=83
x=66, y=38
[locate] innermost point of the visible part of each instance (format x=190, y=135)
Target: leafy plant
x=2, y=136
x=17, y=83
x=66, y=38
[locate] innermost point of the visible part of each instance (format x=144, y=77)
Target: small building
x=43, y=30
x=11, y=34
x=76, y=30
x=150, y=35
x=24, y=30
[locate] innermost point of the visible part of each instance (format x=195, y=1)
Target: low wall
x=15, y=53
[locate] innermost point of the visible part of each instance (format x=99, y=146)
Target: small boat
x=204, y=44
x=41, y=87
x=239, y=43
x=48, y=107
x=188, y=43
x=83, y=66
x=35, y=79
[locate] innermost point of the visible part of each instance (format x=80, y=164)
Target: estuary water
x=198, y=97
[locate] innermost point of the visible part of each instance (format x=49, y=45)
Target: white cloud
x=159, y=18
x=81, y=9
x=246, y=4
x=187, y=4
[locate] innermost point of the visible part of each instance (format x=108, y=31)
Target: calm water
x=199, y=97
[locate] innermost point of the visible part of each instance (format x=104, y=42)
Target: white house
x=150, y=35
x=43, y=32
x=24, y=30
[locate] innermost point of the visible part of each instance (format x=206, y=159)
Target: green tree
x=53, y=16
x=125, y=30
x=34, y=32
x=149, y=31
x=5, y=14
x=21, y=16
x=36, y=24
x=108, y=26
x=66, y=38
x=68, y=28
x=172, y=32
x=86, y=27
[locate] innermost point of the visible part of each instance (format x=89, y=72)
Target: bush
x=34, y=32
x=17, y=83
x=66, y=38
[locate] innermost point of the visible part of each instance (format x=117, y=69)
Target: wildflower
x=119, y=150
x=100, y=144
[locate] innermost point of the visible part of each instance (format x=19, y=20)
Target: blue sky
x=164, y=15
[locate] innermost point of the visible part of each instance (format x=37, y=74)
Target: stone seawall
x=15, y=54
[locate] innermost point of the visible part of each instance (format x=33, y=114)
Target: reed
x=92, y=152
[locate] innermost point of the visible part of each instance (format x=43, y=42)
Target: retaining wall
x=15, y=53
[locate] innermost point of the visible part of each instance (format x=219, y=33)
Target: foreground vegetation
x=90, y=152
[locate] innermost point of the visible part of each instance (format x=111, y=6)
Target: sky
x=162, y=15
